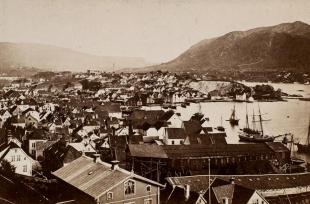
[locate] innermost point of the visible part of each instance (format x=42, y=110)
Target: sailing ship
x=233, y=120
x=294, y=160
x=305, y=148
x=253, y=134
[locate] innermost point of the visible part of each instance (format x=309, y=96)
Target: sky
x=157, y=30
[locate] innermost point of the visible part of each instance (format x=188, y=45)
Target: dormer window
x=109, y=195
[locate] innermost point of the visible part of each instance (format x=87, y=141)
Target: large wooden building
x=159, y=161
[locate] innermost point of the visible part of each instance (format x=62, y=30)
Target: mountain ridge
x=283, y=46
x=55, y=58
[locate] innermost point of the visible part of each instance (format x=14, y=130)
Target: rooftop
x=94, y=178
x=257, y=182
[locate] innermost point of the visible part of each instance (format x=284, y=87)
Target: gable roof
x=5, y=148
x=236, y=194
x=93, y=178
x=177, y=196
x=224, y=191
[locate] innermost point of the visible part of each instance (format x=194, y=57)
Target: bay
x=283, y=117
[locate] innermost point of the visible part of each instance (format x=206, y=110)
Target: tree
x=7, y=168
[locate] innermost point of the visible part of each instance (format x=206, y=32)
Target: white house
x=174, y=136
x=5, y=115
x=32, y=146
x=17, y=157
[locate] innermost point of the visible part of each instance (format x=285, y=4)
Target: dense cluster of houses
x=89, y=134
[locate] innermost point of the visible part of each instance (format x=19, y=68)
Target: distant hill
x=51, y=58
x=281, y=47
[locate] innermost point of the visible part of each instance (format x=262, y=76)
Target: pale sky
x=158, y=30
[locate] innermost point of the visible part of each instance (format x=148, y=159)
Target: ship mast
x=260, y=120
x=247, y=126
x=233, y=114
x=253, y=121
x=308, y=138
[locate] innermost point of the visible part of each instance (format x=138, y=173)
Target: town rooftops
x=257, y=182
x=95, y=178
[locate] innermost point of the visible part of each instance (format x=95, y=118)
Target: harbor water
x=291, y=116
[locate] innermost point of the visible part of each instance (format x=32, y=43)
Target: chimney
x=232, y=180
x=66, y=142
x=187, y=191
x=96, y=158
x=114, y=165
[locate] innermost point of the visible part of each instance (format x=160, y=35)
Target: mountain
x=284, y=46
x=52, y=58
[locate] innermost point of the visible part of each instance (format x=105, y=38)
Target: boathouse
x=168, y=160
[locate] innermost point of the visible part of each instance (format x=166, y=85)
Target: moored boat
x=305, y=148
x=233, y=120
x=220, y=127
x=297, y=161
x=245, y=137
x=294, y=160
x=252, y=134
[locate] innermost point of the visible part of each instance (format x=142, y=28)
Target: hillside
x=51, y=58
x=281, y=47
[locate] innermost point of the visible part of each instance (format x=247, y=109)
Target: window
x=129, y=187
x=172, y=142
x=33, y=145
x=13, y=158
x=148, y=188
x=109, y=195
x=18, y=158
x=225, y=200
x=256, y=202
x=33, y=152
x=25, y=168
x=148, y=201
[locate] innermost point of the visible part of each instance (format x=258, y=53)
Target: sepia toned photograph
x=154, y=102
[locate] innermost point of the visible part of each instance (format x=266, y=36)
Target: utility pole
x=209, y=181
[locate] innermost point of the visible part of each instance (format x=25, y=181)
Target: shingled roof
x=257, y=182
x=175, y=133
x=95, y=178
x=236, y=194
